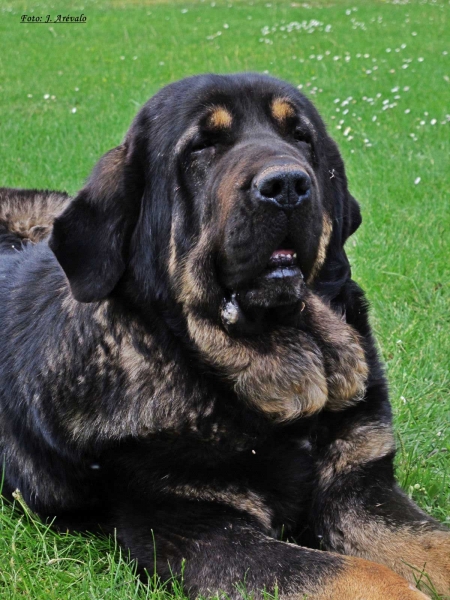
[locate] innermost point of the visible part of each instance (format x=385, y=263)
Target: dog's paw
x=364, y=580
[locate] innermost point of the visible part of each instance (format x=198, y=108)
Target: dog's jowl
x=185, y=359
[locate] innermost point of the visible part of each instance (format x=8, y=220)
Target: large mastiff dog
x=185, y=359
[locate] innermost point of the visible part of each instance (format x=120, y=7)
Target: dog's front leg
x=360, y=510
x=218, y=550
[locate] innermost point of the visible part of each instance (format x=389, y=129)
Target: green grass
x=108, y=67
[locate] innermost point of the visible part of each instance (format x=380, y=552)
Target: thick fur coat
x=185, y=359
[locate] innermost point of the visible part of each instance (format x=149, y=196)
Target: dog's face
x=227, y=207
x=227, y=194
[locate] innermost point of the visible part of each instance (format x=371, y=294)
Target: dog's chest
x=282, y=473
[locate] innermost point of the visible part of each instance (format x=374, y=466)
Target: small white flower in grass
x=445, y=52
x=336, y=57
x=368, y=72
x=53, y=97
x=29, y=95
x=417, y=180
x=336, y=100
x=347, y=130
x=77, y=89
x=403, y=399
x=395, y=89
x=433, y=121
x=366, y=55
x=422, y=122
x=407, y=111
x=184, y=11
x=74, y=110
x=397, y=49
x=134, y=57
x=405, y=66
x=420, y=59
x=426, y=113
x=350, y=137
x=439, y=433
x=319, y=57
x=374, y=118
x=161, y=63
x=300, y=86
x=388, y=50
x=46, y=96
x=406, y=88
x=403, y=46
x=226, y=26
x=358, y=55
x=414, y=33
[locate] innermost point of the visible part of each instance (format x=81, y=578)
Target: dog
x=186, y=360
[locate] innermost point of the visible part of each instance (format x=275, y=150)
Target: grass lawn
x=380, y=74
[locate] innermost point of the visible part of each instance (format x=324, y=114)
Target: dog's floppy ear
x=352, y=217
x=90, y=238
x=346, y=220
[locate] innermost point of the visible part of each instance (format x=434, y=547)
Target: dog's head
x=226, y=206
x=227, y=195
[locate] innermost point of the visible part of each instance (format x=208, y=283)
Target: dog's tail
x=26, y=216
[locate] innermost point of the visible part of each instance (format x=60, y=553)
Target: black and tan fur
x=157, y=380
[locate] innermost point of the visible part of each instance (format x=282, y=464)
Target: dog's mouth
x=282, y=263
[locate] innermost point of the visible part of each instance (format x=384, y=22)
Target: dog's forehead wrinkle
x=186, y=137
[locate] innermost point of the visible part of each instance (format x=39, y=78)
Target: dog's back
x=26, y=216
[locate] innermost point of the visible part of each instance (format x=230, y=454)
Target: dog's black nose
x=285, y=187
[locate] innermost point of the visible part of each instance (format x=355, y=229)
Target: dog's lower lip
x=283, y=272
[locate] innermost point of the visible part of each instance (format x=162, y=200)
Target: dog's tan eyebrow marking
x=185, y=138
x=220, y=118
x=282, y=109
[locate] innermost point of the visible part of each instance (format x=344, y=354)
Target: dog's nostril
x=271, y=187
x=302, y=185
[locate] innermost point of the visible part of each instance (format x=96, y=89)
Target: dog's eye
x=300, y=135
x=202, y=145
